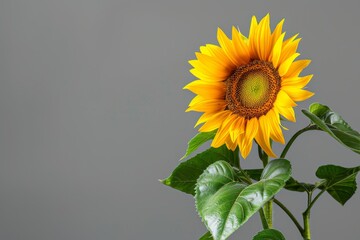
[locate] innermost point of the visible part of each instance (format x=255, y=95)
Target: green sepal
x=184, y=176
x=339, y=182
x=224, y=204
x=332, y=123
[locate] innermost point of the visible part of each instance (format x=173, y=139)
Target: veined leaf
x=332, y=123
x=206, y=236
x=184, y=177
x=269, y=234
x=291, y=184
x=197, y=141
x=225, y=204
x=340, y=182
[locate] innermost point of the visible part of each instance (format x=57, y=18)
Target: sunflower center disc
x=252, y=89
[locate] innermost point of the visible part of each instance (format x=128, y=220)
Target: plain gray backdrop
x=92, y=113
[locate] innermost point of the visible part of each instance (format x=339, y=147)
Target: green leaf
x=206, y=236
x=340, y=182
x=184, y=177
x=269, y=234
x=225, y=204
x=296, y=186
x=291, y=184
x=332, y=123
x=197, y=141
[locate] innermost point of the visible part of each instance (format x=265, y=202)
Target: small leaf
x=197, y=141
x=296, y=186
x=225, y=204
x=184, y=177
x=340, y=182
x=332, y=123
x=269, y=234
x=206, y=236
x=291, y=184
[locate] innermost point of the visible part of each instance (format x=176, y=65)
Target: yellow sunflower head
x=246, y=83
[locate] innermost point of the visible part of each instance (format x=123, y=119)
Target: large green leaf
x=206, y=236
x=225, y=204
x=184, y=176
x=269, y=234
x=340, y=182
x=197, y=141
x=332, y=123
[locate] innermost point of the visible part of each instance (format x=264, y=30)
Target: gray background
x=92, y=113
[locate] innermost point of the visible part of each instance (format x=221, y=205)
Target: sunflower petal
x=284, y=66
x=210, y=68
x=245, y=150
x=209, y=90
x=252, y=38
x=289, y=49
x=297, y=94
x=274, y=123
x=215, y=121
x=205, y=50
x=209, y=105
x=204, y=117
x=276, y=51
x=287, y=112
x=230, y=144
x=237, y=128
x=284, y=100
x=228, y=47
x=296, y=68
x=299, y=82
x=213, y=62
x=197, y=99
x=263, y=38
x=223, y=132
x=252, y=127
x=199, y=74
x=263, y=136
x=241, y=50
x=277, y=32
x=220, y=55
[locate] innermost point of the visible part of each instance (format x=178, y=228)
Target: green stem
x=292, y=217
x=306, y=215
x=311, y=204
x=263, y=156
x=268, y=209
x=291, y=141
x=237, y=159
x=307, y=233
x=263, y=219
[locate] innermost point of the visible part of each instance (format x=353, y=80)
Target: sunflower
x=246, y=83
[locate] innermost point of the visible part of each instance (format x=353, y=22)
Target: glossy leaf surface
x=340, y=182
x=332, y=123
x=184, y=177
x=291, y=184
x=225, y=204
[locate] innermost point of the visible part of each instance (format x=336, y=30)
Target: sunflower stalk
x=293, y=138
x=268, y=207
